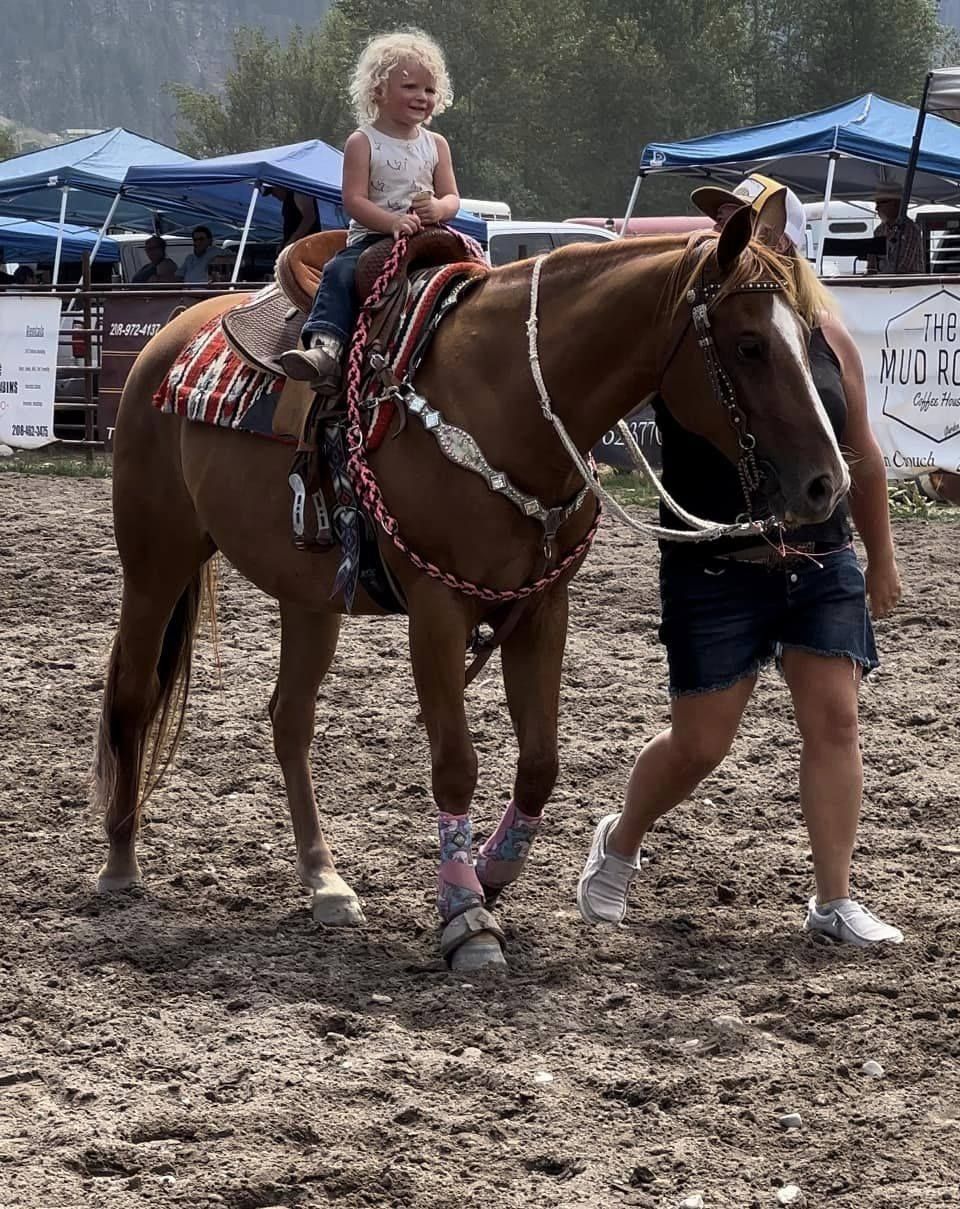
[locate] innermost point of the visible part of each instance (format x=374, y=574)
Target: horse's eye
x=750, y=348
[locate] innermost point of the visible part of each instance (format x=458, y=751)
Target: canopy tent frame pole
x=64, y=190
x=96, y=248
x=825, y=212
x=103, y=229
x=641, y=176
x=246, y=231
x=914, y=155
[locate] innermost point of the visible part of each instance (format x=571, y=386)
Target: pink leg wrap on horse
x=505, y=853
x=457, y=886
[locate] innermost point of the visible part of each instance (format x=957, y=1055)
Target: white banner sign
x=29, y=336
x=909, y=339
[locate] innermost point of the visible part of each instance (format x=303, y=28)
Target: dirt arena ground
x=204, y=1044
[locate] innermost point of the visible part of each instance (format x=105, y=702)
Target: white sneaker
x=848, y=922
x=605, y=881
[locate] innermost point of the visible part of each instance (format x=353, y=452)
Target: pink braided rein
x=365, y=484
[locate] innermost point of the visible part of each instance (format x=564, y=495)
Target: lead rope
x=368, y=490
x=701, y=530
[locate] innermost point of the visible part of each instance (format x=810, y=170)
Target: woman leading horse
x=612, y=323
x=730, y=606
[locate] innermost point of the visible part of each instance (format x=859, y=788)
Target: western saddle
x=261, y=330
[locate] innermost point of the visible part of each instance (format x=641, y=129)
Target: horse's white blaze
x=786, y=323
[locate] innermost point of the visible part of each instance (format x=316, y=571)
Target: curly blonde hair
x=382, y=55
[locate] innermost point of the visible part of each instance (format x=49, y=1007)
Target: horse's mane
x=755, y=263
x=695, y=255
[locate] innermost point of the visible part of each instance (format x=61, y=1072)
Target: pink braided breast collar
x=365, y=483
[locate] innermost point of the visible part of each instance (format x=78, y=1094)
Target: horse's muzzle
x=806, y=502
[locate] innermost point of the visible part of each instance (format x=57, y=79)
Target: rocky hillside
x=99, y=63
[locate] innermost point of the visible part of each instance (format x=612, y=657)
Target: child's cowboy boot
x=319, y=365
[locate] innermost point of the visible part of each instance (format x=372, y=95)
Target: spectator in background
x=166, y=271
x=24, y=275
x=904, y=247
x=610, y=224
x=300, y=214
x=196, y=267
x=156, y=250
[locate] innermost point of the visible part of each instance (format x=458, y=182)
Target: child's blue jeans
x=335, y=307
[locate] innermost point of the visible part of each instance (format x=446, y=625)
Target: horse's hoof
x=472, y=940
x=482, y=951
x=114, y=881
x=334, y=904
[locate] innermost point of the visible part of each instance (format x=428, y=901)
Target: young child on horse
x=397, y=179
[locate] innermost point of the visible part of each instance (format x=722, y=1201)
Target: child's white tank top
x=398, y=169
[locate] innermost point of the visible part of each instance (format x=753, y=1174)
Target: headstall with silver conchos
x=699, y=299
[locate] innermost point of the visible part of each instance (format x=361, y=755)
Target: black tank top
x=700, y=478
x=292, y=216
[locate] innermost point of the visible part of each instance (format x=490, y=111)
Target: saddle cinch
x=261, y=330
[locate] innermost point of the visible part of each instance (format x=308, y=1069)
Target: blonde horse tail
x=160, y=729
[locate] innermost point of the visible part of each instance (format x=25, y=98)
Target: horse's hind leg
x=163, y=547
x=145, y=693
x=532, y=659
x=308, y=644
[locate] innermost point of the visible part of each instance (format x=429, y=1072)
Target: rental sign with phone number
x=128, y=324
x=29, y=336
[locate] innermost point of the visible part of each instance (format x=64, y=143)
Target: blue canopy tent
x=226, y=185
x=846, y=151
x=80, y=180
x=24, y=240
x=231, y=186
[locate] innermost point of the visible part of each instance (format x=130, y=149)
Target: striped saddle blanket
x=210, y=384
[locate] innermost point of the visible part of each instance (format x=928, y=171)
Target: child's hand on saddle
x=405, y=224
x=427, y=209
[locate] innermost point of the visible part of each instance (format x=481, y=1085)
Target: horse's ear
x=772, y=218
x=736, y=234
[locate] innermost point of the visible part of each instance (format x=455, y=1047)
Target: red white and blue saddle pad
x=209, y=383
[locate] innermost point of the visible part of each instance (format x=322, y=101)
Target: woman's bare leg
x=670, y=767
x=824, y=692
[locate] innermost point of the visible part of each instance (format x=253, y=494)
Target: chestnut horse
x=615, y=325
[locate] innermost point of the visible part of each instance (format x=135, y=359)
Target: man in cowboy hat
x=904, y=245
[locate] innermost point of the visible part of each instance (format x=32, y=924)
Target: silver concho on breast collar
x=460, y=447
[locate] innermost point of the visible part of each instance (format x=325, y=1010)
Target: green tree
x=276, y=92
x=554, y=99
x=809, y=56
x=8, y=144
x=545, y=96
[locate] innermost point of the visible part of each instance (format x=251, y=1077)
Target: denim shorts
x=722, y=619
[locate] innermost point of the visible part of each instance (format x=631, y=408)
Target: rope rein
x=365, y=483
x=700, y=530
